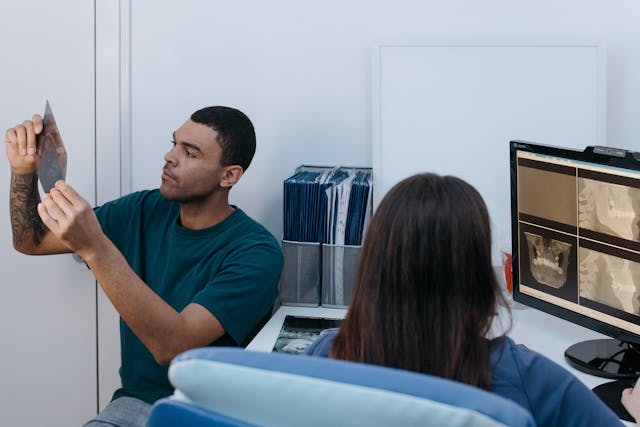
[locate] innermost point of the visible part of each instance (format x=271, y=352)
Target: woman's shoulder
x=503, y=344
x=551, y=393
x=322, y=345
x=521, y=366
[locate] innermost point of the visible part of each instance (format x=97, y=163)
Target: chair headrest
x=250, y=385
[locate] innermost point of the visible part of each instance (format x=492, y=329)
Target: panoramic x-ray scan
x=609, y=208
x=548, y=260
x=610, y=280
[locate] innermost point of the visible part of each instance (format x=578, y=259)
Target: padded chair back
x=242, y=388
x=170, y=412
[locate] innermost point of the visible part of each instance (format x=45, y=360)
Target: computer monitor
x=576, y=247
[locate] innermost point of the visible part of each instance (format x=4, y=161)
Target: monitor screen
x=576, y=245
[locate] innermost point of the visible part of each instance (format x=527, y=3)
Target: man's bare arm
x=30, y=235
x=164, y=331
x=28, y=229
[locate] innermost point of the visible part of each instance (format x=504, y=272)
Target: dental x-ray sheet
x=298, y=333
x=53, y=163
x=579, y=234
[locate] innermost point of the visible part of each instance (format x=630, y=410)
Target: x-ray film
x=53, y=163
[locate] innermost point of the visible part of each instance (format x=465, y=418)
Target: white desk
x=546, y=334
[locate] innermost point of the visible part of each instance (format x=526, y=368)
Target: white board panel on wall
x=453, y=108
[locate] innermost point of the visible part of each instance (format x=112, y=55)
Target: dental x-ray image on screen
x=609, y=208
x=547, y=262
x=575, y=219
x=609, y=280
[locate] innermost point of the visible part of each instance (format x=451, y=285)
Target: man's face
x=192, y=171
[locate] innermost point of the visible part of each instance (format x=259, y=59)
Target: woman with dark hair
x=425, y=297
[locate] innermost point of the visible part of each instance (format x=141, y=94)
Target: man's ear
x=231, y=175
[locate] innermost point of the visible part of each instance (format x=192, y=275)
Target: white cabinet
x=48, y=304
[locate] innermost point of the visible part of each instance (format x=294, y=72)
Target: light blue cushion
x=270, y=389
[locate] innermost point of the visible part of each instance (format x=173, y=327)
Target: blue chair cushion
x=272, y=389
x=170, y=412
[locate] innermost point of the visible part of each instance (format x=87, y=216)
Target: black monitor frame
x=605, y=156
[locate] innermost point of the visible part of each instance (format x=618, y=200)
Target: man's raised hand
x=22, y=150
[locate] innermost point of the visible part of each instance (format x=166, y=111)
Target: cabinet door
x=48, y=304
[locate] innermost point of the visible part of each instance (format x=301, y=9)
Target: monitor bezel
x=631, y=160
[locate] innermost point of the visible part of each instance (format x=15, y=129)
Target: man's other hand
x=71, y=219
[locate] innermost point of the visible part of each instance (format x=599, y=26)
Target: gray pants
x=122, y=412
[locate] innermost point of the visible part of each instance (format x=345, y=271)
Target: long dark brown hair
x=425, y=293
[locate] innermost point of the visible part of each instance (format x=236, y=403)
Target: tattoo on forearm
x=23, y=201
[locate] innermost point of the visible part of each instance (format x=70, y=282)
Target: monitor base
x=606, y=358
x=610, y=394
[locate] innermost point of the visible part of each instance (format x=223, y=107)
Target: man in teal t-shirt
x=182, y=267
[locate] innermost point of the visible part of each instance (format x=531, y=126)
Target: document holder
x=300, y=279
x=325, y=213
x=339, y=267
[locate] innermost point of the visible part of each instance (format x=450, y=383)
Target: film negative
x=53, y=163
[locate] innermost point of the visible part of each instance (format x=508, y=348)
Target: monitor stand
x=608, y=358
x=610, y=394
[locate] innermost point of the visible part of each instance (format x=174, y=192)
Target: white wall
x=302, y=72
x=48, y=304
x=552, y=94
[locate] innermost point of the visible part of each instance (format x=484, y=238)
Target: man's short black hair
x=236, y=135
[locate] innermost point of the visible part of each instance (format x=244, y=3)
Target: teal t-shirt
x=232, y=269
